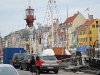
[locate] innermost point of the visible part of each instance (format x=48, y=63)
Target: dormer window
x=71, y=22
x=96, y=22
x=68, y=23
x=86, y=26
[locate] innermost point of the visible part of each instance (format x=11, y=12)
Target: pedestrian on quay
x=38, y=64
x=32, y=66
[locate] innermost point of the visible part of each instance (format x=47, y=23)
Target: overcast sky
x=12, y=12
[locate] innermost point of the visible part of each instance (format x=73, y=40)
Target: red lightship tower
x=30, y=17
x=29, y=22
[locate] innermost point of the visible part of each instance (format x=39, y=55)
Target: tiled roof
x=70, y=19
x=78, y=30
x=89, y=22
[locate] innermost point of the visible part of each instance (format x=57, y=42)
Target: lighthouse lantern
x=29, y=11
x=29, y=16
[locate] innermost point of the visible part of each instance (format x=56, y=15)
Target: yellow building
x=88, y=32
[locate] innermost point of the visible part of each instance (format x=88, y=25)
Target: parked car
x=1, y=59
x=16, y=59
x=26, y=61
x=7, y=69
x=50, y=63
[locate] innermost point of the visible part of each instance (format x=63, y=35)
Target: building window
x=83, y=32
x=86, y=39
x=90, y=32
x=90, y=38
x=93, y=26
x=96, y=22
x=86, y=26
x=96, y=26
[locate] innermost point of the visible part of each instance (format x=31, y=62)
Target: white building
x=44, y=39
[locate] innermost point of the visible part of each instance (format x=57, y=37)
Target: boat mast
x=67, y=27
x=52, y=22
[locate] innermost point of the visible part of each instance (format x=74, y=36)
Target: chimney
x=77, y=12
x=90, y=17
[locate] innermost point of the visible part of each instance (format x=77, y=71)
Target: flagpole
x=88, y=29
x=67, y=28
x=88, y=43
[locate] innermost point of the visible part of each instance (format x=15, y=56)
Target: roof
x=89, y=22
x=75, y=31
x=70, y=19
x=29, y=8
x=78, y=30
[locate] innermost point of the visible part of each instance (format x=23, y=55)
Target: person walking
x=0, y=61
x=32, y=65
x=38, y=64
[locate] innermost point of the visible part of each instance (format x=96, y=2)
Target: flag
x=87, y=9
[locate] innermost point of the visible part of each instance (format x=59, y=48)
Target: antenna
x=67, y=11
x=29, y=2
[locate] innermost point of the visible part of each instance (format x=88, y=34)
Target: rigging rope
x=47, y=13
x=47, y=16
x=57, y=12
